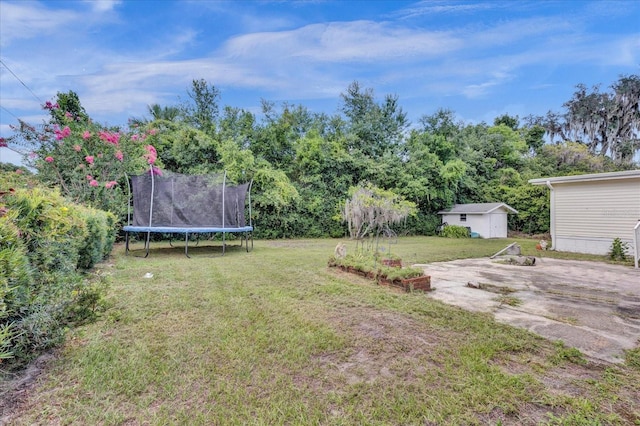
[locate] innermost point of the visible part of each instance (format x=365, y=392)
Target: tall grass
x=276, y=337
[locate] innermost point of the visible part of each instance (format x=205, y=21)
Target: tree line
x=305, y=163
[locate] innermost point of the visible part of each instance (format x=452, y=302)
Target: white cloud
x=28, y=20
x=56, y=50
x=103, y=5
x=364, y=41
x=431, y=7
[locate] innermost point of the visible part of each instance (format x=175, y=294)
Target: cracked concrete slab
x=592, y=306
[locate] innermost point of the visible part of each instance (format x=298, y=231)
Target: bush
x=44, y=240
x=100, y=236
x=455, y=231
x=618, y=250
x=15, y=276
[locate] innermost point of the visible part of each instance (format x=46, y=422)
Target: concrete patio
x=592, y=306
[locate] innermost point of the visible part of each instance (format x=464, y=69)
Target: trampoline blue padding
x=185, y=230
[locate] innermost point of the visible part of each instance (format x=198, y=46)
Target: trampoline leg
x=126, y=244
x=147, y=243
x=186, y=245
x=224, y=246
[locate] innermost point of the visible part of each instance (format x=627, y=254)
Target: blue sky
x=480, y=59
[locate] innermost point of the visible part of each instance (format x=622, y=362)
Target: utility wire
x=10, y=113
x=22, y=82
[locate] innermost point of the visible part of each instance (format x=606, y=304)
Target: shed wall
x=493, y=225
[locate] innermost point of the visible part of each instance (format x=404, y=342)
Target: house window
x=463, y=217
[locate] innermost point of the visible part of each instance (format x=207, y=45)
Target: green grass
x=276, y=337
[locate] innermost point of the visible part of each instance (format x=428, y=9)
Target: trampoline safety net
x=177, y=200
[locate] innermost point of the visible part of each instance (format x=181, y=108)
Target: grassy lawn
x=276, y=337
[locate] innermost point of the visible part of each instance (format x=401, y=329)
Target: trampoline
x=174, y=203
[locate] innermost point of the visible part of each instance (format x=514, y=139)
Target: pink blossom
x=112, y=138
x=49, y=105
x=49, y=159
x=135, y=137
x=3, y=143
x=61, y=134
x=78, y=148
x=89, y=177
x=93, y=183
x=151, y=154
x=19, y=171
x=86, y=135
x=89, y=159
x=153, y=132
x=119, y=155
x=156, y=171
x=110, y=184
x=68, y=114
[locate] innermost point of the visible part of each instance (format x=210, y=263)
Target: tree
x=511, y=122
x=168, y=113
x=87, y=161
x=185, y=149
x=371, y=211
x=607, y=122
x=237, y=125
x=67, y=106
x=374, y=128
x=276, y=138
x=202, y=111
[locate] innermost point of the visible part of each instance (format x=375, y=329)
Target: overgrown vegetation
x=46, y=243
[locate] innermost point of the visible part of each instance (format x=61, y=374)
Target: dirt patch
x=15, y=392
x=382, y=342
x=387, y=346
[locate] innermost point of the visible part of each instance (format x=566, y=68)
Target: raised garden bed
x=393, y=263
x=421, y=283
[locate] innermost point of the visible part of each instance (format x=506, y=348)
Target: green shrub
x=43, y=241
x=100, y=236
x=455, y=231
x=15, y=277
x=618, y=250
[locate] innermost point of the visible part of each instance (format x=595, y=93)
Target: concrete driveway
x=592, y=306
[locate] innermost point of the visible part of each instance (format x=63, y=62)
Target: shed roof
x=477, y=208
x=627, y=174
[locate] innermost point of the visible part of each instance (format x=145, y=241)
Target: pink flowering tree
x=87, y=161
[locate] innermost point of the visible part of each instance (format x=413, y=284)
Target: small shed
x=589, y=211
x=489, y=220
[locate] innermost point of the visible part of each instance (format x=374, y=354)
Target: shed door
x=498, y=225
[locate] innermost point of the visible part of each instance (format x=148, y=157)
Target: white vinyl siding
x=490, y=225
x=589, y=211
x=604, y=209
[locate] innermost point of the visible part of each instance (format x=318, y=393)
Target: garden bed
x=421, y=283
